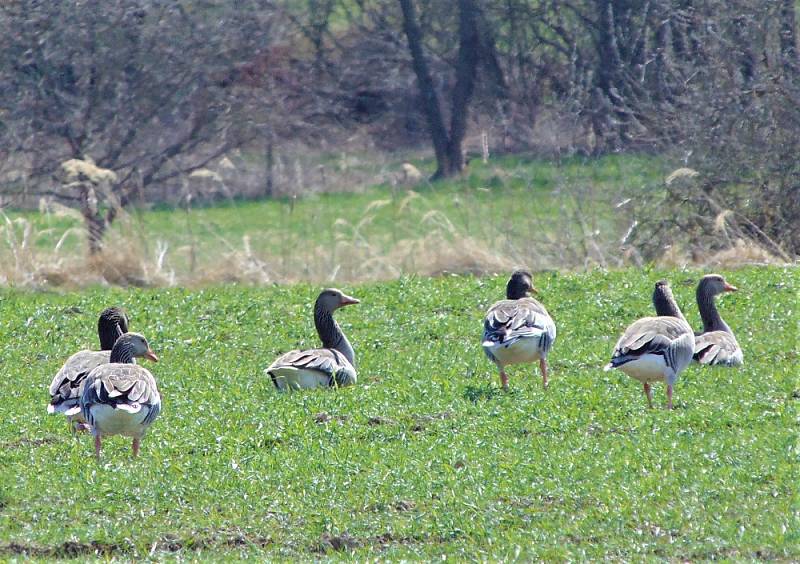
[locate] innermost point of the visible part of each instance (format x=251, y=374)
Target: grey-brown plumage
x=121, y=398
x=716, y=345
x=330, y=366
x=518, y=329
x=656, y=349
x=65, y=387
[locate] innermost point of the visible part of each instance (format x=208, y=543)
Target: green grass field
x=514, y=210
x=425, y=457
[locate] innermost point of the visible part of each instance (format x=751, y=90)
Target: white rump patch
x=647, y=368
x=519, y=351
x=119, y=420
x=291, y=378
x=130, y=408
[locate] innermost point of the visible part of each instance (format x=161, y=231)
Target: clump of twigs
x=689, y=219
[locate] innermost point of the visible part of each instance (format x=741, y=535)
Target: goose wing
x=510, y=320
x=717, y=348
x=65, y=387
x=328, y=363
x=123, y=386
x=668, y=336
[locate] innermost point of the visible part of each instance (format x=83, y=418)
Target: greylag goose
x=656, y=349
x=65, y=387
x=518, y=329
x=716, y=345
x=121, y=398
x=331, y=366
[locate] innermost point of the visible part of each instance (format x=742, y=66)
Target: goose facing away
x=333, y=365
x=121, y=398
x=518, y=329
x=716, y=345
x=655, y=349
x=65, y=387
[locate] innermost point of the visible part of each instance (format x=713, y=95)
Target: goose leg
x=503, y=378
x=669, y=396
x=649, y=395
x=135, y=447
x=97, y=446
x=543, y=368
x=80, y=427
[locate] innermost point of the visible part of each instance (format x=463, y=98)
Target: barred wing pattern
x=669, y=337
x=127, y=387
x=718, y=348
x=65, y=387
x=511, y=320
x=331, y=366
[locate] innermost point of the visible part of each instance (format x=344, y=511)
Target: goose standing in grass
x=716, y=345
x=65, y=387
x=655, y=349
x=331, y=366
x=121, y=398
x=518, y=329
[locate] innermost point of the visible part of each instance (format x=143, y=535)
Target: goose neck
x=108, y=333
x=712, y=321
x=111, y=325
x=665, y=303
x=331, y=334
x=122, y=352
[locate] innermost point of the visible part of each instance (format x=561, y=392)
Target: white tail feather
x=130, y=408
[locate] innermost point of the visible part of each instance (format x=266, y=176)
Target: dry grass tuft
x=680, y=173
x=740, y=254
x=77, y=169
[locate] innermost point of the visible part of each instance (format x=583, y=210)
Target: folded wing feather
x=512, y=319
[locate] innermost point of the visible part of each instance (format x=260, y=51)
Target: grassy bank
x=549, y=214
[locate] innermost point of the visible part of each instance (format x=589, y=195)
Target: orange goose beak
x=729, y=288
x=348, y=300
x=150, y=355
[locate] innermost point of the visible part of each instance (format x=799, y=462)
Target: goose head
x=664, y=301
x=112, y=323
x=130, y=346
x=332, y=299
x=520, y=285
x=714, y=284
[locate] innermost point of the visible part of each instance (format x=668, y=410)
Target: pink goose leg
x=649, y=395
x=503, y=378
x=543, y=368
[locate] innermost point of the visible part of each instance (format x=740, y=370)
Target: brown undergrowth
x=426, y=243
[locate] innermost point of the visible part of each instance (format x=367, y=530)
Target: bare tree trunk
x=92, y=219
x=427, y=91
x=663, y=40
x=448, y=148
x=607, y=76
x=489, y=58
x=746, y=56
x=468, y=51
x=789, y=37
x=270, y=165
